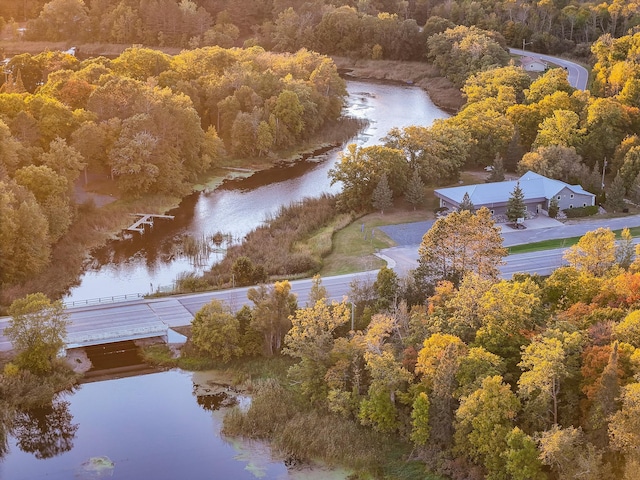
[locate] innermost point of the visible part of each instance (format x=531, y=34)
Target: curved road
x=578, y=75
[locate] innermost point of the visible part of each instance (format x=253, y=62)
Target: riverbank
x=442, y=92
x=98, y=222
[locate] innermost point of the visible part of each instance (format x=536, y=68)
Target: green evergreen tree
x=466, y=203
x=615, y=194
x=553, y=208
x=497, y=172
x=382, y=197
x=386, y=286
x=634, y=191
x=415, y=189
x=515, y=206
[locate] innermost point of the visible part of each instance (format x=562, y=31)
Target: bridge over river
x=132, y=317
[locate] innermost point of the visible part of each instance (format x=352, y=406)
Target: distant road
x=578, y=75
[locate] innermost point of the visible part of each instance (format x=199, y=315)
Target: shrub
x=581, y=211
x=190, y=282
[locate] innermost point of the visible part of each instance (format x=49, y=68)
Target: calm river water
x=144, y=427
x=142, y=263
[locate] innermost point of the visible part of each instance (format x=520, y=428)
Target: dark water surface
x=143, y=263
x=150, y=426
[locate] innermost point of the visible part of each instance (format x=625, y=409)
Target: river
x=148, y=426
x=145, y=263
x=153, y=425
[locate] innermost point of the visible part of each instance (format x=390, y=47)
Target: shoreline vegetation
x=280, y=415
x=97, y=223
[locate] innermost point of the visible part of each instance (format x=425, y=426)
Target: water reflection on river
x=140, y=264
x=149, y=426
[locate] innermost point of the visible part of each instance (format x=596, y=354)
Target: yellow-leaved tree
x=459, y=243
x=595, y=252
x=311, y=340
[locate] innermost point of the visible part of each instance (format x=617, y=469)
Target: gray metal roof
x=534, y=187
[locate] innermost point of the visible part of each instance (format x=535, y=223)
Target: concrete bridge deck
x=100, y=322
x=116, y=322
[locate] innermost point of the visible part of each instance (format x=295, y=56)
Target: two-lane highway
x=578, y=75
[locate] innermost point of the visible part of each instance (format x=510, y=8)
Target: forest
x=139, y=116
x=150, y=122
x=474, y=376
x=365, y=28
x=528, y=378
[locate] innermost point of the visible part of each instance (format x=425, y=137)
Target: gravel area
x=407, y=233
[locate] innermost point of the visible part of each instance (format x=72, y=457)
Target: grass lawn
x=353, y=252
x=353, y=246
x=559, y=243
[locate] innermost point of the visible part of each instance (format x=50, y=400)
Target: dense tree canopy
x=148, y=121
x=502, y=376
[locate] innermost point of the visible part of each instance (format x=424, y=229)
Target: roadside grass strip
x=560, y=242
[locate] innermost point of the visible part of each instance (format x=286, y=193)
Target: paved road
x=178, y=310
x=578, y=75
x=405, y=257
x=131, y=317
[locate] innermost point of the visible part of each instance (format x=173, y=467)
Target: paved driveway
x=405, y=234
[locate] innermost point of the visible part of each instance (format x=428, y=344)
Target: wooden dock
x=145, y=219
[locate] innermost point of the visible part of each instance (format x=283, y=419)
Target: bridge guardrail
x=103, y=300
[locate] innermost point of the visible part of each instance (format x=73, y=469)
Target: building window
x=584, y=204
x=558, y=197
x=571, y=206
x=571, y=196
x=492, y=212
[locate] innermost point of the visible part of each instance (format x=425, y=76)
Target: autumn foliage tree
x=311, y=340
x=595, y=252
x=459, y=243
x=37, y=330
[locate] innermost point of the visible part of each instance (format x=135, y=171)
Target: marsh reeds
x=299, y=431
x=272, y=244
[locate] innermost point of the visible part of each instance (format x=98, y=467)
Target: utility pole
x=604, y=166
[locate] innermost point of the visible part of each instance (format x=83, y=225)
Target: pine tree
x=515, y=206
x=497, y=172
x=594, y=182
x=615, y=194
x=415, y=190
x=634, y=191
x=466, y=203
x=553, y=208
x=382, y=197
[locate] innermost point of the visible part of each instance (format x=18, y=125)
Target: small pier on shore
x=145, y=219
